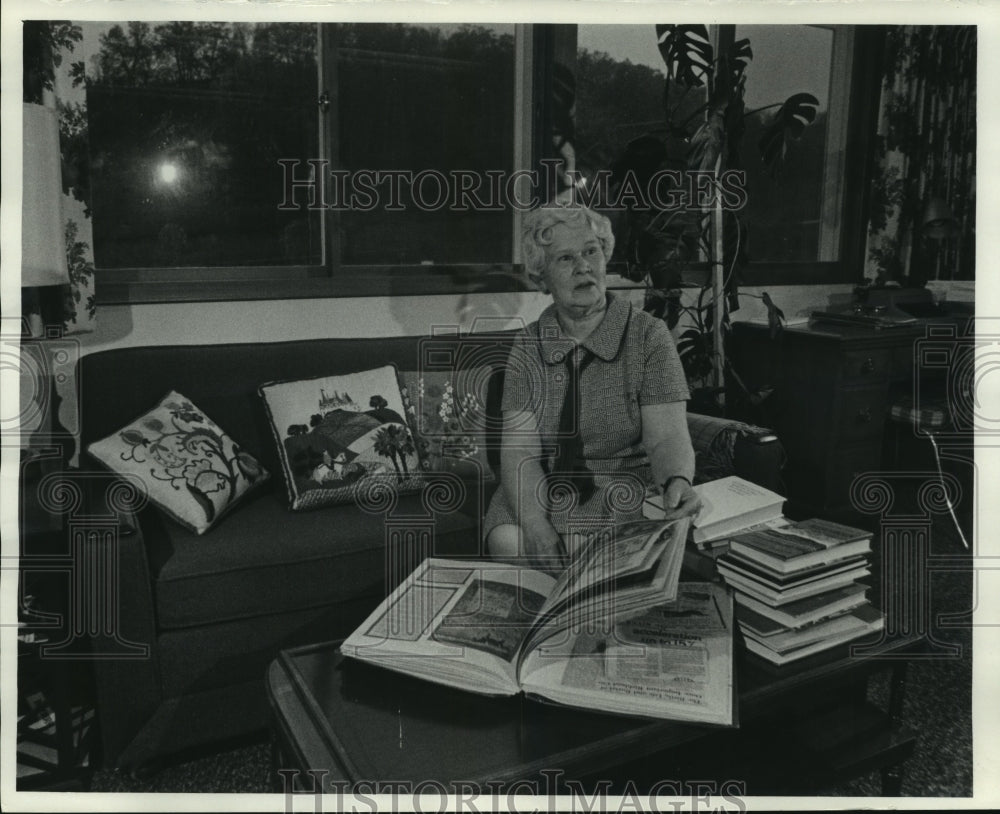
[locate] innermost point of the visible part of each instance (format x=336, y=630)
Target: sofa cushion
x=224, y=379
x=188, y=466
x=447, y=409
x=335, y=432
x=265, y=560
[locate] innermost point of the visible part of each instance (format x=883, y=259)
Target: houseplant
x=700, y=241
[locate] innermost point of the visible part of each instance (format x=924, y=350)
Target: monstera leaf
x=665, y=305
x=695, y=350
x=797, y=111
x=687, y=52
x=740, y=55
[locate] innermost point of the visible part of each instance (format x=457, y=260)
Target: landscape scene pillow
x=192, y=469
x=335, y=431
x=448, y=413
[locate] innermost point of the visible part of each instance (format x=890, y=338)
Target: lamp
x=937, y=226
x=43, y=242
x=939, y=221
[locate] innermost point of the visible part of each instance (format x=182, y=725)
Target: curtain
x=923, y=205
x=54, y=84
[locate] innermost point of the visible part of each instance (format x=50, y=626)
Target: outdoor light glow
x=169, y=172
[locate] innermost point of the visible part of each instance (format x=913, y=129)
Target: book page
x=491, y=615
x=619, y=572
x=675, y=661
x=451, y=620
x=620, y=551
x=664, y=653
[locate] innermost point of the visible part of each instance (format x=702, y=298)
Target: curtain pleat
x=79, y=297
x=925, y=149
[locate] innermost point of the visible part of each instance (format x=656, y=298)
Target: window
x=799, y=225
x=795, y=216
x=235, y=160
x=269, y=160
x=187, y=122
x=422, y=106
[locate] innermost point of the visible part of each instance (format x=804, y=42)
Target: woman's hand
x=680, y=500
x=544, y=547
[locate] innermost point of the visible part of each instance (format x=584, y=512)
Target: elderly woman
x=593, y=404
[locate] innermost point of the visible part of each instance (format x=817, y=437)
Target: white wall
x=280, y=320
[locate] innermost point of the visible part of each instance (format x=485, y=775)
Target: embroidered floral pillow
x=340, y=434
x=448, y=415
x=192, y=470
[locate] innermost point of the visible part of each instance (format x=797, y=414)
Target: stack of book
x=730, y=506
x=797, y=587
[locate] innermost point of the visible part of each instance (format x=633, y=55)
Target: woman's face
x=575, y=269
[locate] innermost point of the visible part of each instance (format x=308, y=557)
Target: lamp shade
x=43, y=242
x=939, y=221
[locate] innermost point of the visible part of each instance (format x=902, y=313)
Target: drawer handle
x=868, y=365
x=864, y=415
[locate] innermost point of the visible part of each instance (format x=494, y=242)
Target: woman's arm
x=667, y=441
x=521, y=479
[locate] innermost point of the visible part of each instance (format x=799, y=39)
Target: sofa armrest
x=726, y=447
x=108, y=545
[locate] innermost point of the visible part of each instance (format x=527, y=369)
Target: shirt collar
x=604, y=342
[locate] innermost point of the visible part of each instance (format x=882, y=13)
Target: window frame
x=330, y=278
x=859, y=132
x=863, y=61
x=532, y=51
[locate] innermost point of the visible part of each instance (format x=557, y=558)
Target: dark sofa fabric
x=263, y=560
x=214, y=610
x=201, y=617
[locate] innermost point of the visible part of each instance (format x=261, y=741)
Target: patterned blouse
x=635, y=363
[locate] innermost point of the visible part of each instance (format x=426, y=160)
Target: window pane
x=785, y=213
x=619, y=87
x=187, y=123
x=620, y=117
x=793, y=215
x=425, y=97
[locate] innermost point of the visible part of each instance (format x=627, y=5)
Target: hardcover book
x=615, y=632
x=784, y=640
x=800, y=545
x=735, y=561
x=868, y=620
x=802, y=612
x=729, y=505
x=753, y=584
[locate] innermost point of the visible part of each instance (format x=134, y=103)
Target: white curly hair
x=536, y=234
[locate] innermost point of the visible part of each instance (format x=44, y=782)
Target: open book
x=729, y=505
x=615, y=632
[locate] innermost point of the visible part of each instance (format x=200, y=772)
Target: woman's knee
x=504, y=542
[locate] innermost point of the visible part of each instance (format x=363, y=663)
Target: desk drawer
x=866, y=366
x=861, y=414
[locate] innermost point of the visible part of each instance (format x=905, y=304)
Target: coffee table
x=340, y=724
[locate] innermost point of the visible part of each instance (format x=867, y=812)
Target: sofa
x=196, y=619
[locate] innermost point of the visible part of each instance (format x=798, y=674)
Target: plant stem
x=750, y=113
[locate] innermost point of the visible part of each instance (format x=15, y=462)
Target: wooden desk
x=831, y=388
x=352, y=723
